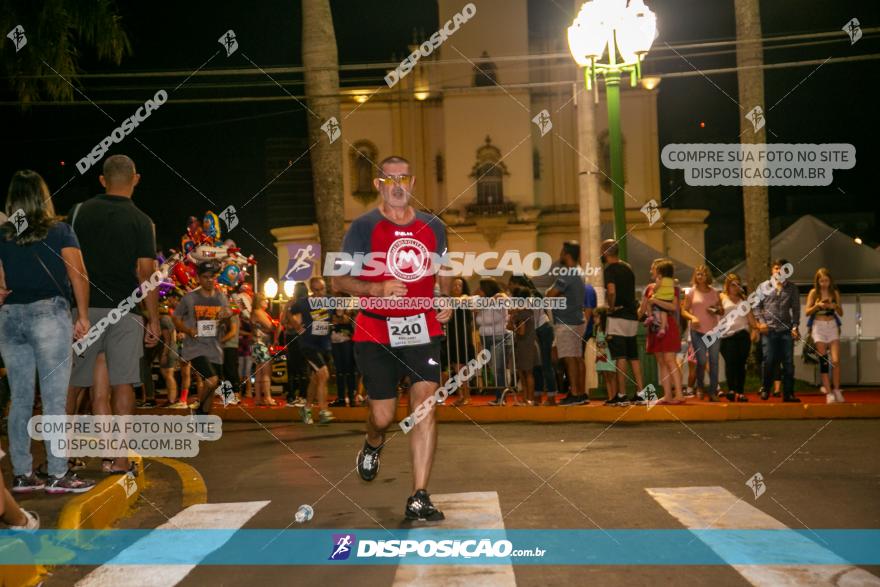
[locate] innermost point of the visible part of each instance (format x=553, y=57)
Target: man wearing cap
x=198, y=316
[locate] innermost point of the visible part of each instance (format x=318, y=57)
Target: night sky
x=219, y=148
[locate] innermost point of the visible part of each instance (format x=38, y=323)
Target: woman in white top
x=825, y=311
x=736, y=341
x=494, y=335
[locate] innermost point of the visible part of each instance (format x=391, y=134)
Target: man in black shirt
x=622, y=322
x=119, y=247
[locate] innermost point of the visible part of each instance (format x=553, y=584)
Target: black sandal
x=132, y=468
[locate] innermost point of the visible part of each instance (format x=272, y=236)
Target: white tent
x=809, y=244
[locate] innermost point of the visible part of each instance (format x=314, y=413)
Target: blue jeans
x=545, y=375
x=779, y=348
x=36, y=338
x=703, y=353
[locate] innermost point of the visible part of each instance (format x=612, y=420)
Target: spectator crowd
x=61, y=281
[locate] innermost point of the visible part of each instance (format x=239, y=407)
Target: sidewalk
x=861, y=403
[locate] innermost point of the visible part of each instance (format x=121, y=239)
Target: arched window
x=489, y=172
x=364, y=156
x=490, y=189
x=485, y=73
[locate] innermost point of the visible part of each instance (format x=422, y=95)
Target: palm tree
x=749, y=53
x=322, y=98
x=57, y=32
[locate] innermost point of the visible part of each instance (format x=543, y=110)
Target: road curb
x=19, y=575
x=194, y=489
x=104, y=505
x=97, y=509
x=712, y=412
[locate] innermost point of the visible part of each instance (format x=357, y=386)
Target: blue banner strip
x=438, y=546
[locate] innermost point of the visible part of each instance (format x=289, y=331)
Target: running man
x=198, y=316
x=393, y=343
x=313, y=328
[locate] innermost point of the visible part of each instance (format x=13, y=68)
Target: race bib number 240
x=408, y=331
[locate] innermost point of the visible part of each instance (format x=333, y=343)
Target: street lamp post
x=615, y=26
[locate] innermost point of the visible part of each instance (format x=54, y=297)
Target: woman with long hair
x=737, y=341
x=263, y=331
x=664, y=344
x=494, y=336
x=704, y=303
x=39, y=260
x=824, y=311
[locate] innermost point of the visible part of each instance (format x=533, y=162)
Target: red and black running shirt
x=405, y=253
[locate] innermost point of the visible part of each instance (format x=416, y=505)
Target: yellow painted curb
x=18, y=575
x=101, y=507
x=194, y=489
x=97, y=509
x=713, y=412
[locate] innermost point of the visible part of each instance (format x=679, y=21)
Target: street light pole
x=615, y=145
x=627, y=26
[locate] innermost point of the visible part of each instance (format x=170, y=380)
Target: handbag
x=810, y=354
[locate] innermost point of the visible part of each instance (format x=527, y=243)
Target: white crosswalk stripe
x=208, y=516
x=717, y=508
x=476, y=510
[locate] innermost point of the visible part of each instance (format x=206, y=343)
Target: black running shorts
x=315, y=358
x=382, y=366
x=206, y=368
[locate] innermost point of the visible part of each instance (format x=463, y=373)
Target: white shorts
x=825, y=331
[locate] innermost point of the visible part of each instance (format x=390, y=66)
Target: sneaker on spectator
x=325, y=417
x=194, y=405
x=339, y=403
x=689, y=392
x=305, y=415
x=617, y=400
x=496, y=402
x=69, y=483
x=574, y=400
x=27, y=484
x=32, y=523
x=838, y=396
x=178, y=406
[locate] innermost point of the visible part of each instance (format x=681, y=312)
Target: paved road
x=819, y=474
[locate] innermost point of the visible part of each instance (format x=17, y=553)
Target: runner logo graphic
x=756, y=117
x=229, y=42
x=756, y=483
x=19, y=220
x=230, y=217
x=343, y=544
x=854, y=29
x=543, y=122
x=651, y=211
x=18, y=38
x=331, y=127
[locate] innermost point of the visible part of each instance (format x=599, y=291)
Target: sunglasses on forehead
x=402, y=180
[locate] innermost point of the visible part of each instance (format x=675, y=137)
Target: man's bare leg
x=423, y=436
x=321, y=377
x=123, y=405
x=380, y=415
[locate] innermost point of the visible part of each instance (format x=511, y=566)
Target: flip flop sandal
x=132, y=468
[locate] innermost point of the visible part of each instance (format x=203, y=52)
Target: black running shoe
x=368, y=462
x=618, y=400
x=419, y=507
